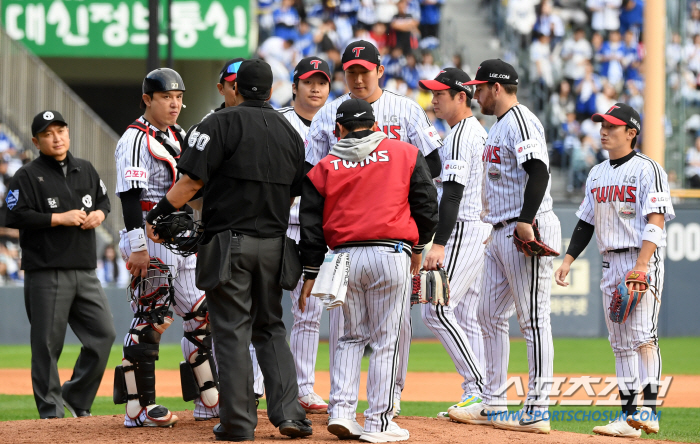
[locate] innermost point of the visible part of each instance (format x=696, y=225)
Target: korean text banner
x=202, y=29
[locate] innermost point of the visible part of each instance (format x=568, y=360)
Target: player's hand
x=435, y=258
x=305, y=293
x=525, y=232
x=72, y=218
x=137, y=264
x=152, y=234
x=561, y=273
x=93, y=220
x=416, y=259
x=636, y=286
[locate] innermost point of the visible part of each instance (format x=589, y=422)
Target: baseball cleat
x=312, y=403
x=443, y=415
x=478, y=413
x=77, y=413
x=466, y=403
x=155, y=416
x=296, y=428
x=345, y=428
x=619, y=428
x=393, y=434
x=525, y=422
x=645, y=419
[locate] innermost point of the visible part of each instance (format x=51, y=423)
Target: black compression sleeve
x=434, y=163
x=449, y=209
x=580, y=238
x=538, y=178
x=131, y=208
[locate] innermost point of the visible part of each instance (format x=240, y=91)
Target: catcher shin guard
x=198, y=374
x=139, y=368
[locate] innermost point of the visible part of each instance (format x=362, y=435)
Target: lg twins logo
x=316, y=63
x=358, y=50
x=612, y=108
x=520, y=149
x=87, y=200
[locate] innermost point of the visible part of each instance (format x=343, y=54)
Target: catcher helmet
x=179, y=232
x=157, y=284
x=161, y=79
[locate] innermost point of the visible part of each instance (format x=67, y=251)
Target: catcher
x=628, y=198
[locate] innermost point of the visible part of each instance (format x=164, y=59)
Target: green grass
x=577, y=356
x=677, y=424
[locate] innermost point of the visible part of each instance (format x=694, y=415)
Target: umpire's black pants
x=245, y=309
x=55, y=298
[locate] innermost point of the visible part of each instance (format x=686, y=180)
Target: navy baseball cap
x=354, y=109
x=620, y=114
x=362, y=53
x=254, y=79
x=495, y=71
x=230, y=70
x=44, y=119
x=309, y=66
x=449, y=78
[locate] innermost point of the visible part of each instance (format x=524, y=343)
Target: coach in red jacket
x=373, y=198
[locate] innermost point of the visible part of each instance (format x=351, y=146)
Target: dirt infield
x=684, y=390
x=110, y=429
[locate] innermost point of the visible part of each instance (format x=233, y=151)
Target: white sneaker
x=522, y=422
x=312, y=403
x=393, y=434
x=476, y=413
x=618, y=427
x=644, y=419
x=345, y=428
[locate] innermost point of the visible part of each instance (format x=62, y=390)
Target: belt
x=147, y=206
x=504, y=223
x=623, y=250
x=395, y=244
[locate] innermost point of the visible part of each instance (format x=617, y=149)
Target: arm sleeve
x=580, y=238
x=421, y=132
x=434, y=164
x=538, y=178
x=449, y=210
x=312, y=245
x=23, y=212
x=422, y=198
x=205, y=149
x=131, y=209
x=654, y=192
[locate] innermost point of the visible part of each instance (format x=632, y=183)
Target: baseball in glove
x=625, y=297
x=431, y=286
x=534, y=247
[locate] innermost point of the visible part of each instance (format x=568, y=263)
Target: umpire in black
x=250, y=161
x=57, y=201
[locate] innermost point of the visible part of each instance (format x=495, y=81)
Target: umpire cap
x=161, y=79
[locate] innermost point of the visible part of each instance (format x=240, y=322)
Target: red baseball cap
x=309, y=66
x=620, y=114
x=362, y=53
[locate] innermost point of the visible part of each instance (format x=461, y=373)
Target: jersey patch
x=202, y=141
x=12, y=198
x=658, y=200
x=432, y=134
x=87, y=200
x=136, y=173
x=194, y=135
x=524, y=150
x=457, y=168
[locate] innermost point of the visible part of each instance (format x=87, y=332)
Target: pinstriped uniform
x=132, y=152
x=513, y=282
x=456, y=325
x=400, y=118
x=618, y=200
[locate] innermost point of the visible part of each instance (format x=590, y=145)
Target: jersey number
x=392, y=131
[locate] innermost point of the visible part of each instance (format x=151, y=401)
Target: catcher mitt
x=180, y=234
x=625, y=297
x=431, y=286
x=534, y=247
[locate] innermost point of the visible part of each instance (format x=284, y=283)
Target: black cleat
x=223, y=435
x=296, y=428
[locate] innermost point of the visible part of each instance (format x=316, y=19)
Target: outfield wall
x=577, y=310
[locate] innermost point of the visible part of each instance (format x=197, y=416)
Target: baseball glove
x=534, y=247
x=431, y=286
x=625, y=297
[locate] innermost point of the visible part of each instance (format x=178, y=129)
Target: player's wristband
x=164, y=207
x=137, y=240
x=653, y=234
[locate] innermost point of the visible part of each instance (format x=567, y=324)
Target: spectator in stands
x=378, y=34
x=338, y=85
x=541, y=75
x=674, y=51
x=111, y=269
x=4, y=276
x=692, y=55
x=385, y=10
x=606, y=98
x=692, y=25
x=571, y=11
x=632, y=17
x=634, y=95
x=586, y=90
x=266, y=24
x=393, y=64
x=430, y=19
x=521, y=15
x=597, y=41
x=549, y=24
x=692, y=170
x=304, y=45
x=360, y=33
x=561, y=103
x=366, y=15
x=576, y=51
x=683, y=83
x=404, y=29
x=410, y=73
x=326, y=36
x=286, y=19
x=277, y=48
x=632, y=61
x=458, y=62
x=428, y=69
x=612, y=55
x=605, y=14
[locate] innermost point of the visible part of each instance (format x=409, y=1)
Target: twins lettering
x=491, y=154
x=614, y=193
x=377, y=156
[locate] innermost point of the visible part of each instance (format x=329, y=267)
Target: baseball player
x=627, y=198
x=146, y=157
x=515, y=195
x=334, y=209
x=458, y=245
x=399, y=118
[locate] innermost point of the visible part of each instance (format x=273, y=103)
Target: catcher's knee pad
x=198, y=373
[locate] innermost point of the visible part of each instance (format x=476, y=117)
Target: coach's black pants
x=248, y=308
x=55, y=298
